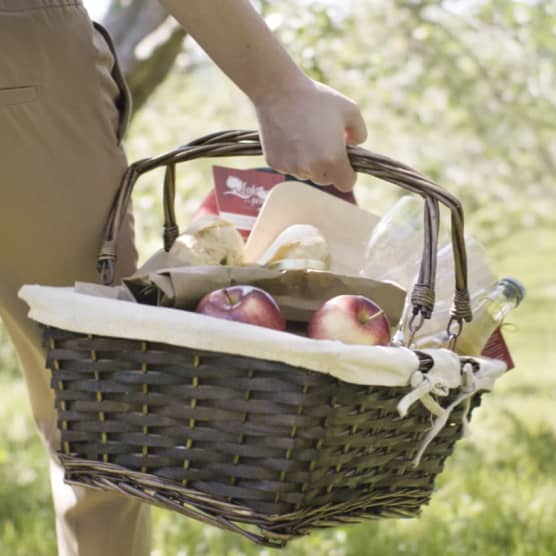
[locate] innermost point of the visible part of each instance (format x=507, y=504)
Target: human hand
x=304, y=125
x=304, y=130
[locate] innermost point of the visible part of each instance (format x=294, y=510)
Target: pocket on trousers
x=17, y=95
x=123, y=102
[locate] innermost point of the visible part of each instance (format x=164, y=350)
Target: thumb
x=342, y=174
x=356, y=130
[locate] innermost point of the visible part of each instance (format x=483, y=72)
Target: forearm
x=237, y=39
x=303, y=125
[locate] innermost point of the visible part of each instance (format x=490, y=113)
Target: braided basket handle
x=247, y=143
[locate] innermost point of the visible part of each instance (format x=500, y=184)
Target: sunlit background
x=96, y=8
x=465, y=91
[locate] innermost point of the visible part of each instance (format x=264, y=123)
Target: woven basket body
x=238, y=439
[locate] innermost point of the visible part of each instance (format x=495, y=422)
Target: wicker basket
x=258, y=447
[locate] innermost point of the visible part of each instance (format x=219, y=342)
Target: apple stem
x=228, y=296
x=377, y=314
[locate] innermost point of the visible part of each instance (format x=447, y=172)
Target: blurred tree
x=464, y=90
x=136, y=23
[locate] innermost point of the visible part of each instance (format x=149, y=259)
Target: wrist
x=283, y=85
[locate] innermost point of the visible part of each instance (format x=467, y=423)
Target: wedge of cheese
x=297, y=247
x=345, y=226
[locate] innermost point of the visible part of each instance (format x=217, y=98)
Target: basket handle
x=247, y=143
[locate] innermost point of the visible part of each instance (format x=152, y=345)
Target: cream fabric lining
x=372, y=365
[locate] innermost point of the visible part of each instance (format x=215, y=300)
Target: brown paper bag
x=298, y=292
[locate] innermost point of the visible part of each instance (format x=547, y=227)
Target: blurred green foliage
x=464, y=90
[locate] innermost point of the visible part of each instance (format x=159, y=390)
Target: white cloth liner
x=67, y=309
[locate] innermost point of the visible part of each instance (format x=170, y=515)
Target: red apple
x=243, y=303
x=352, y=319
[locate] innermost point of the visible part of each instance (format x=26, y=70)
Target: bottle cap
x=513, y=289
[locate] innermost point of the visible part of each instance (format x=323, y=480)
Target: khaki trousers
x=62, y=113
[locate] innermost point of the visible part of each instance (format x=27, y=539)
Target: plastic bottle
x=480, y=279
x=396, y=243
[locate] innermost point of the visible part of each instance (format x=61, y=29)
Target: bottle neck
x=498, y=304
x=487, y=318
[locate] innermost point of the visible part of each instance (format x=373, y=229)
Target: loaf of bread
x=209, y=240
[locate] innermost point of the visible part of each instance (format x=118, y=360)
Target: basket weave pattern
x=238, y=439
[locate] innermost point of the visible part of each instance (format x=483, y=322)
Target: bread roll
x=209, y=240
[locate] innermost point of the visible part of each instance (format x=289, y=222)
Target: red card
x=497, y=348
x=241, y=193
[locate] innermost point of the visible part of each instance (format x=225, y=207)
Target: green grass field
x=497, y=495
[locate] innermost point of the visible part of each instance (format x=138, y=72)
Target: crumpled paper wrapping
x=298, y=292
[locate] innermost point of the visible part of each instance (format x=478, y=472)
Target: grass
x=497, y=495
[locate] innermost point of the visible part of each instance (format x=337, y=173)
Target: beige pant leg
x=60, y=167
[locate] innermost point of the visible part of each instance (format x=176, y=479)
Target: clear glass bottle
x=506, y=295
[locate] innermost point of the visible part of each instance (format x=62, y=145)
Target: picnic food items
x=243, y=303
x=298, y=246
x=352, y=319
x=292, y=202
x=209, y=240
